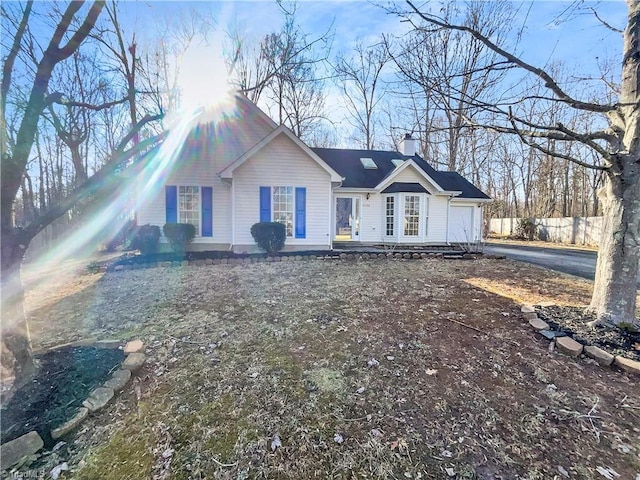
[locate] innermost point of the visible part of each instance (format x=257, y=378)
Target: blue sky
x=580, y=43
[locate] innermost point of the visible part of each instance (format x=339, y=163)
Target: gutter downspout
x=233, y=215
x=448, y=218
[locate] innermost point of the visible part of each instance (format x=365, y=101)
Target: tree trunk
x=15, y=331
x=614, y=291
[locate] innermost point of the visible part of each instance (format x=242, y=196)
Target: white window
x=389, y=215
x=283, y=207
x=189, y=206
x=411, y=215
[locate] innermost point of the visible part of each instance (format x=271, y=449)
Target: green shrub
x=146, y=239
x=269, y=236
x=179, y=235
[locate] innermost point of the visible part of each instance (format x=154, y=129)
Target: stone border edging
x=356, y=256
x=15, y=450
x=571, y=347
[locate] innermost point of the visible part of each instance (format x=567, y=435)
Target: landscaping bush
x=269, y=236
x=526, y=229
x=179, y=235
x=146, y=239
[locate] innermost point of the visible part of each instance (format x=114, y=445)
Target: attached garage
x=461, y=225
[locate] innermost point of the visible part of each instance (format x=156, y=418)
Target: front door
x=347, y=218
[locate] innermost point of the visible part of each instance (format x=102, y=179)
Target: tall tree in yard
x=73, y=25
x=617, y=145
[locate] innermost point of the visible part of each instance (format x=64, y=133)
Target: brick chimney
x=408, y=145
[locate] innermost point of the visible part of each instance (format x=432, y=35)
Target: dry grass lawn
x=342, y=370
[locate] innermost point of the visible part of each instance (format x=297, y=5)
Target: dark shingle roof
x=405, y=187
x=347, y=164
x=455, y=181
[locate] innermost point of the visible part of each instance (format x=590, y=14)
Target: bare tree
x=281, y=73
x=72, y=28
x=617, y=144
x=442, y=68
x=359, y=75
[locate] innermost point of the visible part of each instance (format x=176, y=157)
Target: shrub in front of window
x=179, y=235
x=269, y=236
x=146, y=239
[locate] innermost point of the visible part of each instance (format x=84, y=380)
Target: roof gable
x=410, y=164
x=281, y=130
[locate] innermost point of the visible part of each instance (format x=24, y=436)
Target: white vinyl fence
x=576, y=230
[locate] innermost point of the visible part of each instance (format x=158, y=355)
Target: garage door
x=461, y=224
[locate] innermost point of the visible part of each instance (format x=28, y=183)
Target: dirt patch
x=63, y=381
x=573, y=321
x=417, y=366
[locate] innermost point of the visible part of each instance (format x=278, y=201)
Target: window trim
x=199, y=208
x=426, y=217
x=391, y=216
x=293, y=208
x=417, y=201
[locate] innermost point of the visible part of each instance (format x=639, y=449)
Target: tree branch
x=606, y=24
x=549, y=82
x=58, y=98
x=103, y=179
x=7, y=67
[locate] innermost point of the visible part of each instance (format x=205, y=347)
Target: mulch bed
x=63, y=381
x=573, y=321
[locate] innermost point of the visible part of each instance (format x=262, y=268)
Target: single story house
x=231, y=166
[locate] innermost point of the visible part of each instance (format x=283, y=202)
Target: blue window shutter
x=171, y=203
x=207, y=211
x=265, y=204
x=301, y=208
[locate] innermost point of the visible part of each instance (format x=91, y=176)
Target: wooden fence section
x=576, y=230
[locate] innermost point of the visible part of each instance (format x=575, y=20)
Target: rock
x=529, y=316
x=547, y=304
x=108, y=343
x=98, y=398
x=134, y=346
x=527, y=309
x=538, y=324
x=134, y=361
x=551, y=334
x=118, y=268
x=118, y=380
x=627, y=364
x=70, y=424
x=569, y=346
x=603, y=358
x=12, y=452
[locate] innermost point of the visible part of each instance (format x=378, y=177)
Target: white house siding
x=220, y=143
x=282, y=163
x=410, y=175
x=437, y=227
x=371, y=224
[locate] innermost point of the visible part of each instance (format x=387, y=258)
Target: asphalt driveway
x=581, y=263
